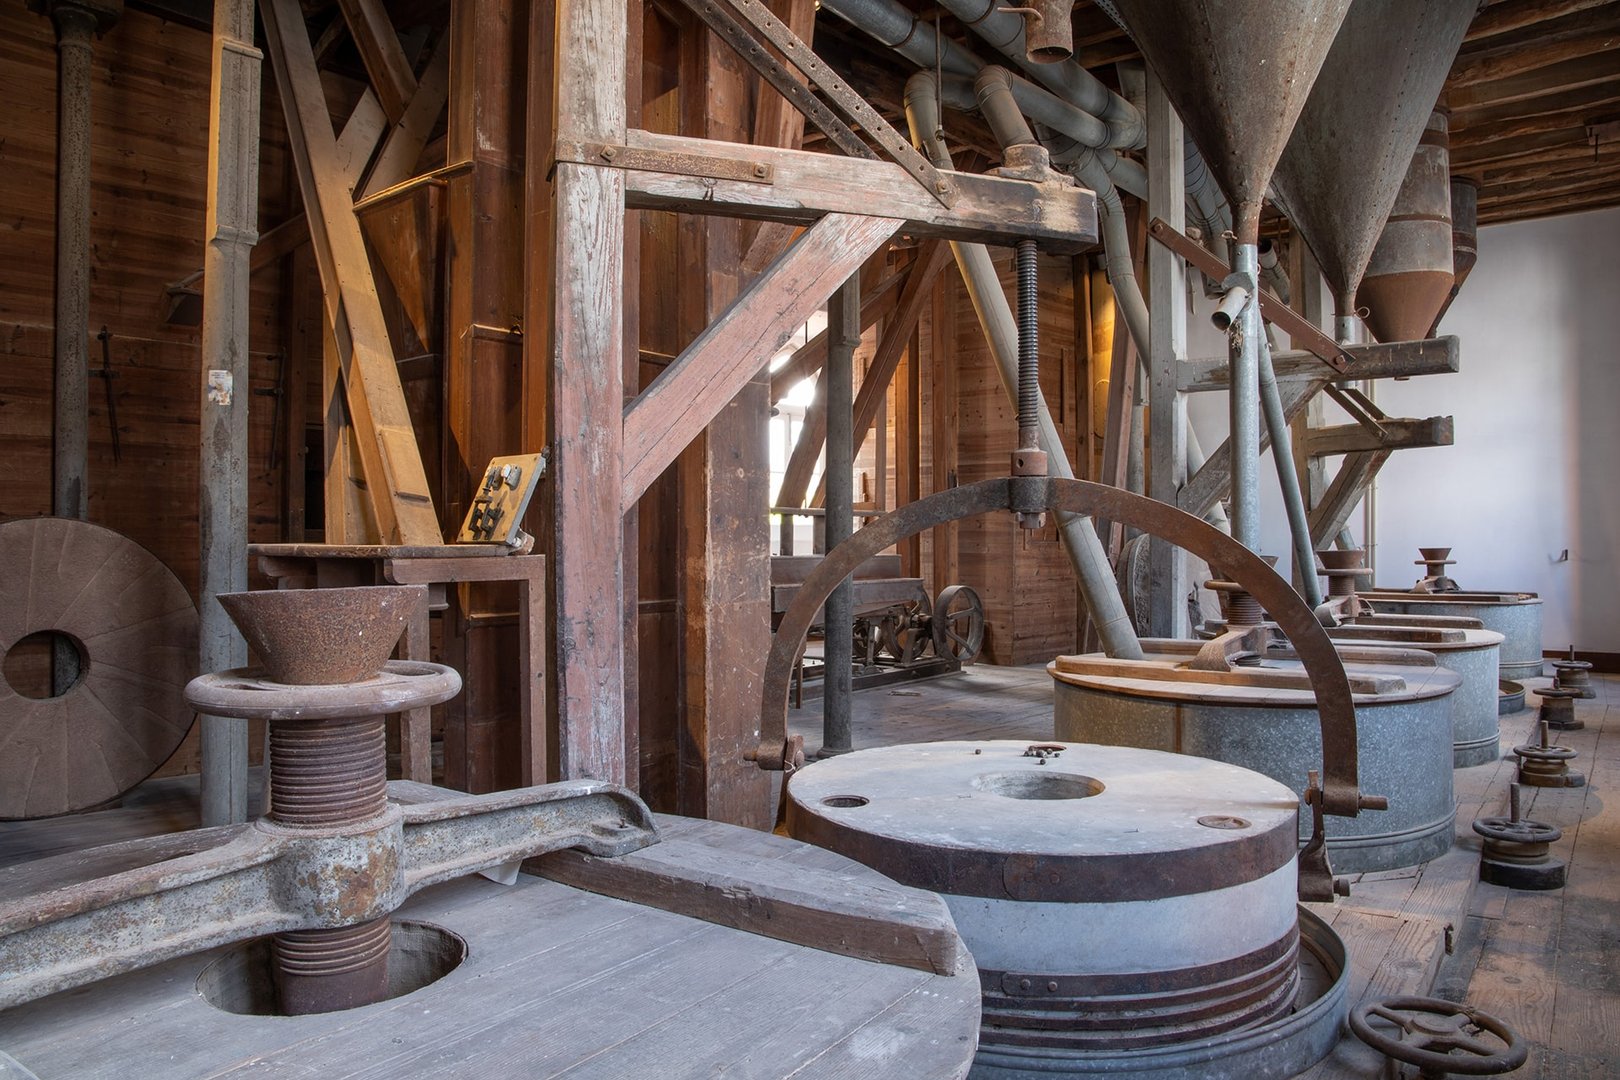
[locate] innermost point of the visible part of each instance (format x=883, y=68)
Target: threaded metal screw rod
x=1029, y=343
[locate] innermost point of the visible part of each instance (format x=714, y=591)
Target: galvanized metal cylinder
x=1516, y=616
x=1474, y=657
x=1410, y=273
x=1116, y=900
x=1403, y=738
x=1464, y=227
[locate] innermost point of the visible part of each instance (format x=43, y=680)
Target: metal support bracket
x=88, y=915
x=610, y=155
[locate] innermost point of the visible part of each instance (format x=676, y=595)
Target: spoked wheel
x=958, y=624
x=903, y=631
x=1441, y=1037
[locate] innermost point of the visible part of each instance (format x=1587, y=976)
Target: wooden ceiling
x=1534, y=98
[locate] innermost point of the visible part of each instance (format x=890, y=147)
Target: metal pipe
x=992, y=90
x=1243, y=351
x=1098, y=588
x=1110, y=120
x=1272, y=272
x=1048, y=33
x=1003, y=30
x=838, y=626
x=1282, y=455
x=1230, y=309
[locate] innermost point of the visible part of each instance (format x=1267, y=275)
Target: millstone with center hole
x=1129, y=911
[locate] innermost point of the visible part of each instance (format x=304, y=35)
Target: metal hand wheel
x=1440, y=1036
x=1520, y=831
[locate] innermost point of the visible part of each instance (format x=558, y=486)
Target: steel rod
x=843, y=335
x=1282, y=455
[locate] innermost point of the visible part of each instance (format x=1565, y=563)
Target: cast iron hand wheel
x=958, y=624
x=1440, y=1036
x=903, y=631
x=1522, y=831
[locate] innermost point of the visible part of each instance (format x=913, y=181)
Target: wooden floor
x=1546, y=963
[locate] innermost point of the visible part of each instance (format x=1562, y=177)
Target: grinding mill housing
x=1403, y=732
x=1130, y=912
x=1474, y=656
x=1514, y=615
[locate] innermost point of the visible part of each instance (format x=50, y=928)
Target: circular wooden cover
x=136, y=630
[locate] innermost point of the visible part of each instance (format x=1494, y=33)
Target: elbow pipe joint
x=1239, y=288
x=993, y=88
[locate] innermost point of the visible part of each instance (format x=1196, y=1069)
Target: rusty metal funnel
x=1344, y=163
x=1238, y=74
x=1434, y=555
x=319, y=637
x=1410, y=275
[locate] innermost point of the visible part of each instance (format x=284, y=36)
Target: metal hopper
x=1343, y=165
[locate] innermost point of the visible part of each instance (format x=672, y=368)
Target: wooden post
x=573, y=348
x=1167, y=331
x=232, y=229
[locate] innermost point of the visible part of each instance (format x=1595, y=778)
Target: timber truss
x=605, y=452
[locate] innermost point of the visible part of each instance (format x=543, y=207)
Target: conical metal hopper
x=1410, y=274
x=1238, y=74
x=1345, y=161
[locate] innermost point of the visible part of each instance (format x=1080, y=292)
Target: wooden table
x=559, y=980
x=326, y=566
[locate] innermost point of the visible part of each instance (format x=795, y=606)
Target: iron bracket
x=89, y=915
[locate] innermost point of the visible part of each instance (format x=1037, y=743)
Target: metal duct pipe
x=1282, y=456
x=1003, y=30
x=1096, y=578
x=993, y=92
x=1243, y=352
x=1048, y=31
x=1114, y=122
x=76, y=24
x=1271, y=270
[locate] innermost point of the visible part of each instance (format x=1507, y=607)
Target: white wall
x=1536, y=465
x=1535, y=468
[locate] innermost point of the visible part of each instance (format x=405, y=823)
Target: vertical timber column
x=575, y=344
x=485, y=304
x=232, y=230
x=76, y=22
x=1167, y=326
x=724, y=489
x=843, y=336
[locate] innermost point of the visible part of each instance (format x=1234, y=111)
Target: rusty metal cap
x=318, y=637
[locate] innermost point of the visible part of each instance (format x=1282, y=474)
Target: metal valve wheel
x=1440, y=1036
x=1531, y=752
x=1522, y=831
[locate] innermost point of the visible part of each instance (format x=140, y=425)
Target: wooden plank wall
x=969, y=427
x=148, y=175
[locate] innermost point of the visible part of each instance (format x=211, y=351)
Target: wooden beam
x=1396, y=360
x=670, y=172
x=396, y=484
x=1351, y=483
x=231, y=228
x=574, y=349
x=374, y=35
x=876, y=303
x=1398, y=435
x=679, y=404
x=402, y=146
x=1507, y=16
x=1167, y=345
x=1464, y=121
x=1548, y=42
x=1599, y=68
